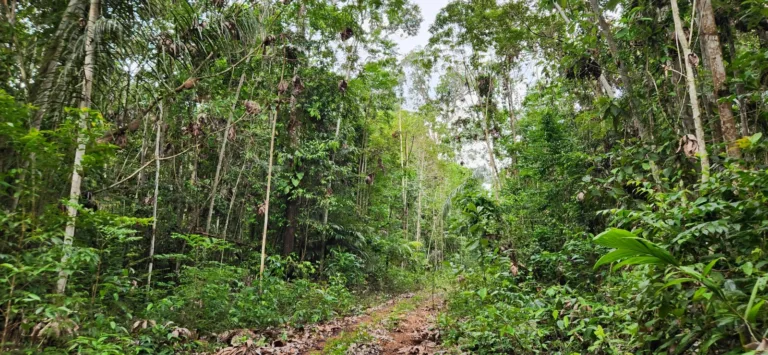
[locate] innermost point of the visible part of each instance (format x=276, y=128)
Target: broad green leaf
x=622, y=239
x=639, y=260
x=748, y=268
x=676, y=282
x=759, y=284
x=614, y=256
x=483, y=292
x=699, y=293
x=704, y=349
x=752, y=312
x=709, y=266
x=599, y=332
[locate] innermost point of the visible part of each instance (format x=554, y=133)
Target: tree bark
x=291, y=215
x=82, y=140
x=605, y=29
x=266, y=199
x=51, y=60
x=743, y=121
x=713, y=57
x=326, y=207
x=692, y=93
x=159, y=129
x=222, y=152
x=402, y=168
x=489, y=145
x=418, y=203
x=231, y=204
x=607, y=88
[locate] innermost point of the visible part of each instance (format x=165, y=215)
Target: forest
x=241, y=177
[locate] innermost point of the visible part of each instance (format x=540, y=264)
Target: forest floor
x=404, y=325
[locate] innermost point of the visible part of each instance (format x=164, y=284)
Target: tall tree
x=713, y=58
x=690, y=80
x=82, y=140
x=222, y=152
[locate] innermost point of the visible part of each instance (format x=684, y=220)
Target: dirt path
x=404, y=325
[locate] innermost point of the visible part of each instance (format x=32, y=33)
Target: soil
x=401, y=326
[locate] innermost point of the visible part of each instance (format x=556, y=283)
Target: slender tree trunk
x=713, y=57
x=605, y=29
x=159, y=129
x=326, y=207
x=512, y=122
x=692, y=93
x=231, y=204
x=404, y=178
x=418, y=203
x=613, y=46
x=743, y=120
x=82, y=140
x=489, y=145
x=51, y=60
x=266, y=199
x=291, y=215
x=607, y=88
x=222, y=153
x=142, y=159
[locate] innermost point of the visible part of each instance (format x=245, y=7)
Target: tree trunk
x=489, y=145
x=159, y=129
x=231, y=204
x=605, y=29
x=418, y=203
x=291, y=215
x=51, y=60
x=713, y=57
x=266, y=199
x=82, y=140
x=692, y=93
x=404, y=178
x=222, y=152
x=607, y=88
x=743, y=121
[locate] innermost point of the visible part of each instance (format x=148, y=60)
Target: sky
x=429, y=10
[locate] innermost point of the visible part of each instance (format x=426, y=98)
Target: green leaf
x=639, y=260
x=675, y=282
x=599, y=332
x=31, y=297
x=752, y=312
x=622, y=239
x=614, y=256
x=483, y=292
x=748, y=268
x=759, y=284
x=699, y=293
x=704, y=349
x=709, y=267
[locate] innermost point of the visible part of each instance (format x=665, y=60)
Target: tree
x=82, y=140
x=690, y=80
x=713, y=58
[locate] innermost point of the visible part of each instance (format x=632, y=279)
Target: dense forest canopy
x=245, y=177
